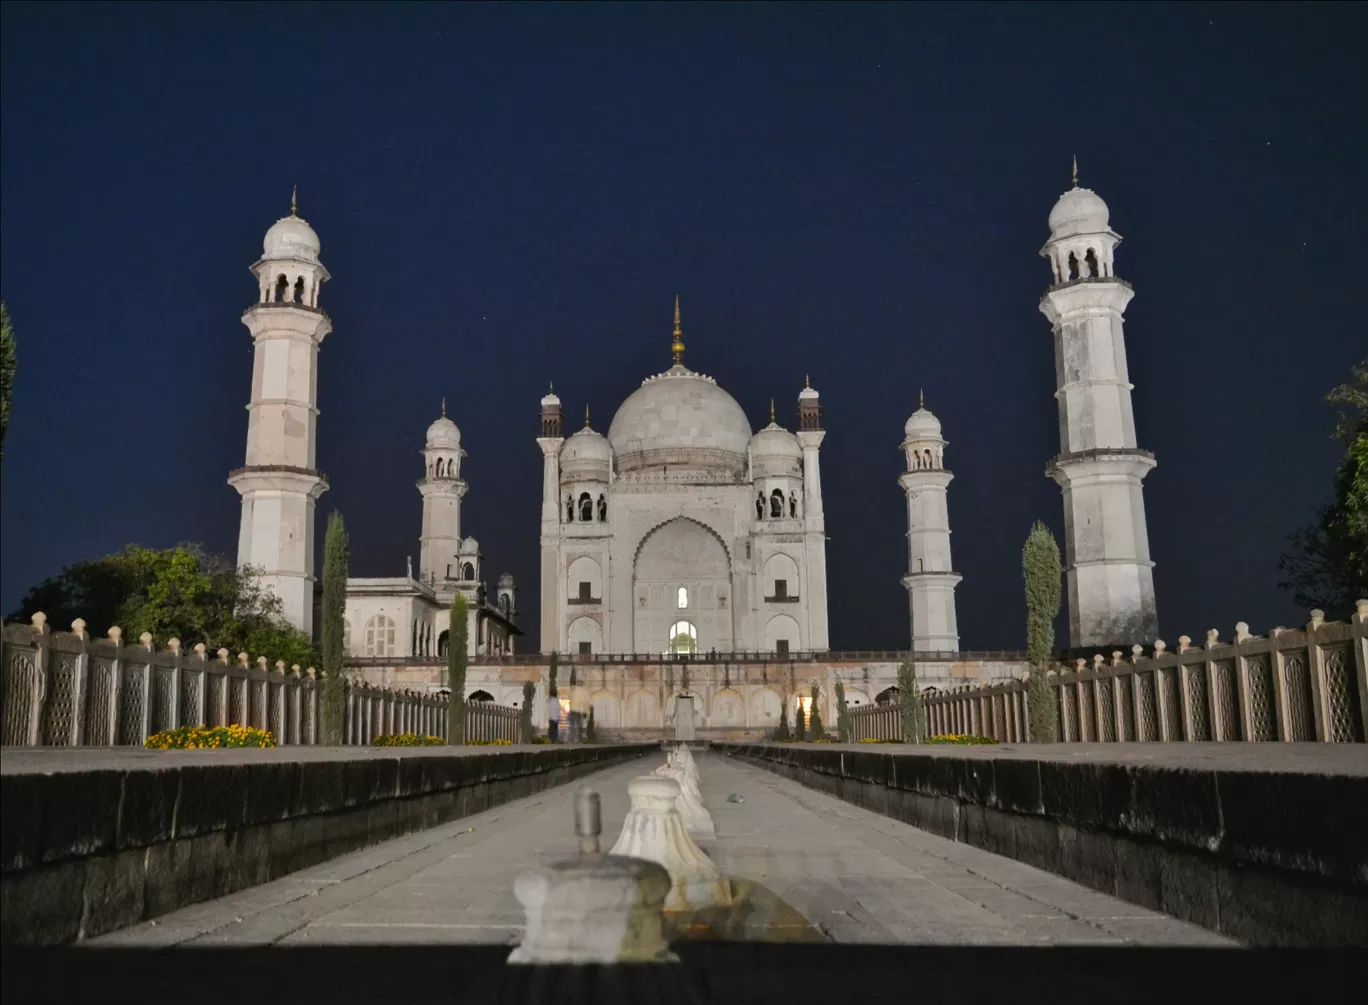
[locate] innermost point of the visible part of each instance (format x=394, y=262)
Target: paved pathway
x=858, y=877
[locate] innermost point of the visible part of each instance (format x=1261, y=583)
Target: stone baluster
x=653, y=830
x=145, y=640
x=115, y=707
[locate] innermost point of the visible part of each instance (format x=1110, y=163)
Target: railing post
x=1359, y=640
x=202, y=698
x=115, y=684
x=80, y=684
x=149, y=673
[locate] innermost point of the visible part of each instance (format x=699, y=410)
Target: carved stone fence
x=1293, y=685
x=66, y=689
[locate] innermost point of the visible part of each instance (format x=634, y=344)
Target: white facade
x=930, y=579
x=410, y=616
x=279, y=482
x=1100, y=469
x=681, y=531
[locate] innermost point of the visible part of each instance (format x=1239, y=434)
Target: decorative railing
x=1294, y=685
x=67, y=689
x=771, y=658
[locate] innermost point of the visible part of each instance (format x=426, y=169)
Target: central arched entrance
x=681, y=591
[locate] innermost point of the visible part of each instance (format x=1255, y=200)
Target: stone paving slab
x=49, y=760
x=858, y=876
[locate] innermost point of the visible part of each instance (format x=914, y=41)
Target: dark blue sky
x=511, y=195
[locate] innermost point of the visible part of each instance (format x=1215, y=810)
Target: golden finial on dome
x=921, y=398
x=444, y=406
x=553, y=387
x=807, y=382
x=294, y=201
x=678, y=347
x=1075, y=174
x=771, y=411
x=586, y=416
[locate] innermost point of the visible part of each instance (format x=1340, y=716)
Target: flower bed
x=209, y=738
x=961, y=738
x=407, y=740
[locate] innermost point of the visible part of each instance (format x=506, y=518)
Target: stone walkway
x=857, y=876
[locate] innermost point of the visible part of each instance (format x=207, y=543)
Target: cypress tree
x=842, y=714
x=458, y=658
x=818, y=733
x=590, y=730
x=799, y=724
x=782, y=733
x=551, y=675
x=910, y=702
x=1040, y=570
x=525, y=716
x=334, y=697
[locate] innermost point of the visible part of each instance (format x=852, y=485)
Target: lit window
x=683, y=601
x=683, y=638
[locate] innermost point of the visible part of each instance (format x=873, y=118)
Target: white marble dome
x=444, y=435
x=469, y=546
x=680, y=418
x=775, y=441
x=1079, y=211
x=550, y=400
x=922, y=424
x=585, y=455
x=291, y=237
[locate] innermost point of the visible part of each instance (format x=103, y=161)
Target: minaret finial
x=921, y=398
x=807, y=381
x=586, y=416
x=678, y=346
x=771, y=411
x=444, y=406
x=1075, y=175
x=294, y=201
x=553, y=387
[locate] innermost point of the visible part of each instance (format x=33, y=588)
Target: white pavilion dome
x=290, y=237
x=444, y=434
x=1079, y=211
x=922, y=424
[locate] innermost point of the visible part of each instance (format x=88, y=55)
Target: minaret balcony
x=1085, y=280
x=276, y=305
x=287, y=469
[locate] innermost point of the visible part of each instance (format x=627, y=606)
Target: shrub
x=209, y=738
x=407, y=740
x=500, y=742
x=961, y=738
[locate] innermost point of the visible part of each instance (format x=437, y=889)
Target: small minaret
x=810, y=435
x=1099, y=467
x=280, y=483
x=508, y=595
x=930, y=579
x=442, y=490
x=550, y=440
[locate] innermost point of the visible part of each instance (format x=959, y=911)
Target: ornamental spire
x=444, y=406
x=294, y=201
x=921, y=398
x=771, y=411
x=586, y=416
x=678, y=346
x=1075, y=174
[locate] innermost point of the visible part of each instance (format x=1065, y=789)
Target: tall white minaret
x=550, y=440
x=930, y=579
x=1107, y=560
x=280, y=484
x=810, y=435
x=442, y=490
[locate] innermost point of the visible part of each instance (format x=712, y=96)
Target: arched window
x=793, y=505
x=413, y=644
x=927, y=457
x=683, y=637
x=504, y=602
x=569, y=510
x=481, y=696
x=442, y=643
x=299, y=290
x=886, y=696
x=603, y=509
x=281, y=285
x=760, y=506
x=467, y=571
x=682, y=598
x=776, y=504
x=1073, y=266
x=380, y=636
x=1090, y=259
x=586, y=507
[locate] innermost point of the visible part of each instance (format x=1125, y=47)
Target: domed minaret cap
x=808, y=392
x=1079, y=211
x=550, y=398
x=922, y=423
x=443, y=433
x=291, y=238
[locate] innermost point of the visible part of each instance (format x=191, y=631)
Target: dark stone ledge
x=1262, y=842
x=95, y=839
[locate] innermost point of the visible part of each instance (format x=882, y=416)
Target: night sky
x=514, y=195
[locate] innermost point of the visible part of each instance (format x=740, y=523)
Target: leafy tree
x=799, y=724
x=818, y=733
x=910, y=703
x=1041, y=572
x=336, y=559
x=1326, y=565
x=782, y=733
x=525, y=713
x=458, y=659
x=182, y=592
x=842, y=714
x=551, y=675
x=590, y=729
x=9, y=362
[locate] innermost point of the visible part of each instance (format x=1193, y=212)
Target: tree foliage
x=1041, y=572
x=529, y=697
x=182, y=592
x=458, y=659
x=591, y=728
x=842, y=714
x=782, y=732
x=1326, y=565
x=551, y=688
x=9, y=363
x=818, y=731
x=910, y=702
x=336, y=559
